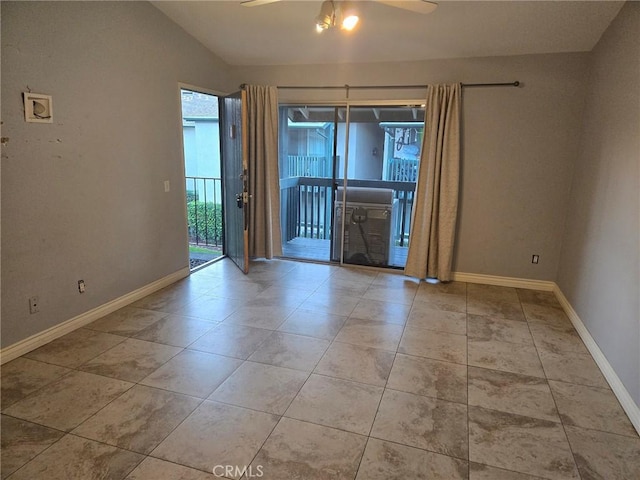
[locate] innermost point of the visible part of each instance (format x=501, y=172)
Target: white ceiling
x=283, y=33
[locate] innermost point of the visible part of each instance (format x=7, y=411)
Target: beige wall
x=83, y=197
x=600, y=264
x=519, y=146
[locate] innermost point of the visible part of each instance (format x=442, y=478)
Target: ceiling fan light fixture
x=335, y=13
x=322, y=24
x=349, y=15
x=327, y=16
x=350, y=22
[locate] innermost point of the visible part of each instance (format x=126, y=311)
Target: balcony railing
x=402, y=170
x=308, y=166
x=204, y=211
x=306, y=206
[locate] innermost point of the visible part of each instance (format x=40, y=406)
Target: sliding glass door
x=310, y=154
x=347, y=180
x=383, y=157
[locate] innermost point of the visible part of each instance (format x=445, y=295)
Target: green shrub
x=204, y=222
x=192, y=196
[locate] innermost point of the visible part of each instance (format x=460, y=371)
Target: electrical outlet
x=81, y=286
x=167, y=186
x=34, y=305
x=535, y=259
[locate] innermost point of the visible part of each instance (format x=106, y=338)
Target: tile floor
x=307, y=371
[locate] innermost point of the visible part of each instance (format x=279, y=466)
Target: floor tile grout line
x=182, y=393
x=313, y=371
x=534, y=477
x=66, y=374
x=76, y=367
x=64, y=432
x=396, y=352
x=466, y=303
x=384, y=389
x=331, y=343
x=394, y=442
x=122, y=394
x=282, y=415
x=214, y=325
x=553, y=397
x=547, y=383
x=132, y=381
x=234, y=405
x=559, y=422
x=69, y=433
x=564, y=430
x=201, y=401
x=420, y=448
x=150, y=454
x=133, y=384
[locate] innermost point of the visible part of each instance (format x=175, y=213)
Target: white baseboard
x=629, y=406
x=31, y=343
x=503, y=281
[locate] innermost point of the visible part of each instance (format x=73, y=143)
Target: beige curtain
x=435, y=206
x=264, y=186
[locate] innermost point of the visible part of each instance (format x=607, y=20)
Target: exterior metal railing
x=306, y=206
x=308, y=166
x=204, y=211
x=400, y=170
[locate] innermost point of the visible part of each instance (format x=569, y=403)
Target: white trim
x=629, y=406
x=41, y=338
x=503, y=281
x=193, y=88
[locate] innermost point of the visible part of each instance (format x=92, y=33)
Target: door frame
x=183, y=191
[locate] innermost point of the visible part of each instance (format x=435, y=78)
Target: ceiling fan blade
x=418, y=6
x=256, y=3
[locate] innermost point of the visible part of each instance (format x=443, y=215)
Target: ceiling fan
x=341, y=13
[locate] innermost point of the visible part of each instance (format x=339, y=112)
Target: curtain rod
x=376, y=87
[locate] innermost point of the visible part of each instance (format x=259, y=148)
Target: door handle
x=239, y=200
